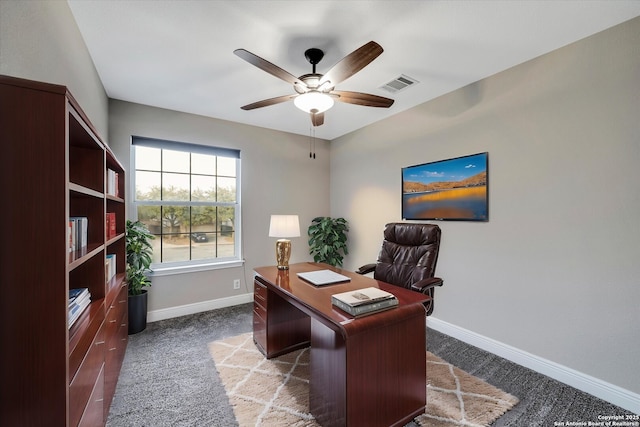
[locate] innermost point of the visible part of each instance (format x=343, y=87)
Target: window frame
x=177, y=267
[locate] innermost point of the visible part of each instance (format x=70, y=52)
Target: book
x=107, y=269
x=323, y=277
x=112, y=183
x=80, y=229
x=365, y=301
x=111, y=225
x=79, y=300
x=78, y=292
x=110, y=267
x=72, y=235
x=75, y=313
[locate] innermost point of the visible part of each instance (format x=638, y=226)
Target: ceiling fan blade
x=352, y=63
x=365, y=99
x=268, y=102
x=317, y=119
x=267, y=66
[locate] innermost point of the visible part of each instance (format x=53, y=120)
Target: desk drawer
x=260, y=310
x=260, y=327
x=260, y=294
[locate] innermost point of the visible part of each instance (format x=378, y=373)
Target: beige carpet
x=275, y=392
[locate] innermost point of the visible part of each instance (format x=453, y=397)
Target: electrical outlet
x=236, y=284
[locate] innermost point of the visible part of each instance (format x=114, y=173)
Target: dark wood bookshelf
x=55, y=168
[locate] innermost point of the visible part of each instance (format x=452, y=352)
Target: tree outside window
x=187, y=196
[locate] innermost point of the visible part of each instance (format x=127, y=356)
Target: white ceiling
x=179, y=54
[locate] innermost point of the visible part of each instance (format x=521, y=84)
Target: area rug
x=276, y=392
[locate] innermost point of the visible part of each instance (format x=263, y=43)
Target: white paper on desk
x=323, y=277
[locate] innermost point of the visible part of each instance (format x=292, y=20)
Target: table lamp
x=284, y=226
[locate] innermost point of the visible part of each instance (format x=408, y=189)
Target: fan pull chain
x=312, y=142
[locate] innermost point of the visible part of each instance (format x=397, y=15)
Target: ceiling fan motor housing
x=314, y=56
x=311, y=83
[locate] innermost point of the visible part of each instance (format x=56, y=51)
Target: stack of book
x=365, y=301
x=79, y=300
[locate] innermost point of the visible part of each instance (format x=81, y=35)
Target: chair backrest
x=409, y=253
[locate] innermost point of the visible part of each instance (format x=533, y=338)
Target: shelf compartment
x=115, y=239
x=115, y=198
x=86, y=155
x=91, y=207
x=90, y=274
x=114, y=165
x=116, y=207
x=82, y=190
x=77, y=258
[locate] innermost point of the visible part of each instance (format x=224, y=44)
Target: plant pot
x=137, y=313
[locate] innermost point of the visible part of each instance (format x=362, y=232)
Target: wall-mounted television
x=452, y=189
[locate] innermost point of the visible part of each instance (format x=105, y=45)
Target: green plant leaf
x=327, y=240
x=139, y=256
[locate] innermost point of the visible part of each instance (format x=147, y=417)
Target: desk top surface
x=316, y=300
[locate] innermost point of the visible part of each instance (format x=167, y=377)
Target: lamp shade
x=313, y=100
x=284, y=226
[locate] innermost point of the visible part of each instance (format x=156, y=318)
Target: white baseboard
x=601, y=389
x=199, y=307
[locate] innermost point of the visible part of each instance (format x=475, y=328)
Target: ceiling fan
x=315, y=93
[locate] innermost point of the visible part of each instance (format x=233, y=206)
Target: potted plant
x=328, y=240
x=139, y=257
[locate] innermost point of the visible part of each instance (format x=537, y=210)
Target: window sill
x=168, y=271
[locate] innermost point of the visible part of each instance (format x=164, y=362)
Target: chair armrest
x=367, y=268
x=425, y=284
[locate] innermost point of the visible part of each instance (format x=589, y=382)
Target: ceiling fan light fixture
x=313, y=100
x=315, y=92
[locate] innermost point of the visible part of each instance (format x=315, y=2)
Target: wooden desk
x=367, y=371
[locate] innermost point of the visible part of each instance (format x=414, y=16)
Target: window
x=189, y=197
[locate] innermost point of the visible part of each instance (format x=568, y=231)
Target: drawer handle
x=111, y=349
x=112, y=321
x=100, y=342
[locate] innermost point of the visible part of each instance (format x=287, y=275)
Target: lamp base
x=283, y=252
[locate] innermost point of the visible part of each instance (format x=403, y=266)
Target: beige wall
x=39, y=40
x=277, y=177
x=555, y=272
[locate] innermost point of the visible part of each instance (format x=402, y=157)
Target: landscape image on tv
x=453, y=189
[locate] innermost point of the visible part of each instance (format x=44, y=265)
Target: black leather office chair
x=408, y=258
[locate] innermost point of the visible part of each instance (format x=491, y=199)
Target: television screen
x=452, y=189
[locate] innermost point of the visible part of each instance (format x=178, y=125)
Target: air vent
x=399, y=84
